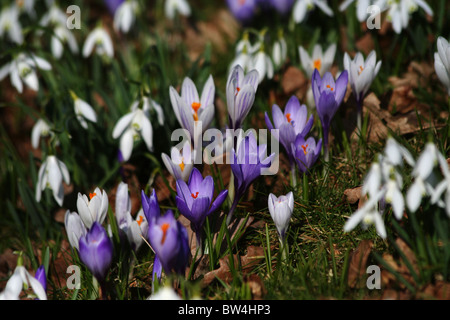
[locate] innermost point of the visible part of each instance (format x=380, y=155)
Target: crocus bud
x=74, y=228
x=281, y=209
x=96, y=251
x=41, y=277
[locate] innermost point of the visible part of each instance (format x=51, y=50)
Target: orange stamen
x=182, y=164
x=304, y=149
x=329, y=87
x=241, y=2
x=140, y=220
x=195, y=106
x=91, y=195
x=164, y=228
x=361, y=70
x=194, y=195
x=317, y=64
x=288, y=117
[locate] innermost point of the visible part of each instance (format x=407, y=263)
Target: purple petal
x=218, y=202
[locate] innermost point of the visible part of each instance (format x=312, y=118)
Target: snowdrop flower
x=263, y=64
x=318, y=60
x=75, y=228
x=136, y=125
x=83, y=111
x=442, y=62
x=361, y=8
x=279, y=51
x=165, y=293
x=241, y=92
x=10, y=24
x=443, y=186
x=23, y=69
x=125, y=15
x=54, y=16
x=423, y=176
x=93, y=208
x=361, y=74
x=177, y=6
x=399, y=11
x=20, y=278
x=99, y=39
x=40, y=129
x=192, y=110
x=181, y=163
x=61, y=36
x=27, y=6
x=302, y=7
x=281, y=209
x=394, y=153
x=51, y=175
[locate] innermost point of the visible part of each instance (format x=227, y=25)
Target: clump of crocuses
x=328, y=96
x=195, y=200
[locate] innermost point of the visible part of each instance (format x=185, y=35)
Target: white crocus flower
x=10, y=24
x=93, y=208
x=23, y=69
x=19, y=280
x=180, y=163
x=318, y=60
x=442, y=62
x=99, y=39
x=302, y=7
x=75, y=228
x=361, y=74
x=133, y=229
x=125, y=15
x=361, y=8
x=281, y=209
x=136, y=125
x=177, y=6
x=83, y=111
x=51, y=175
x=61, y=36
x=191, y=109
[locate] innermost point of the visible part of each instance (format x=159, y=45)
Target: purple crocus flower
x=150, y=206
x=195, y=200
x=113, y=5
x=247, y=165
x=328, y=96
x=306, y=152
x=243, y=10
x=169, y=239
x=282, y=6
x=41, y=277
x=96, y=251
x=293, y=122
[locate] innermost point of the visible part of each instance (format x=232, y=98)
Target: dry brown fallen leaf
x=357, y=266
x=353, y=195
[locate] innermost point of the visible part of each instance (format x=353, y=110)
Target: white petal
x=122, y=124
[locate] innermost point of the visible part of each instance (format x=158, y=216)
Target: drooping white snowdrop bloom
x=125, y=15
x=23, y=70
x=165, y=293
x=40, y=129
x=54, y=17
x=303, y=7
x=93, y=208
x=172, y=7
x=180, y=163
x=279, y=51
x=51, y=175
x=75, y=228
x=10, y=24
x=361, y=8
x=134, y=229
x=281, y=209
x=422, y=173
x=442, y=62
x=99, y=39
x=361, y=74
x=22, y=278
x=318, y=60
x=136, y=125
x=399, y=11
x=61, y=36
x=83, y=111
x=263, y=64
